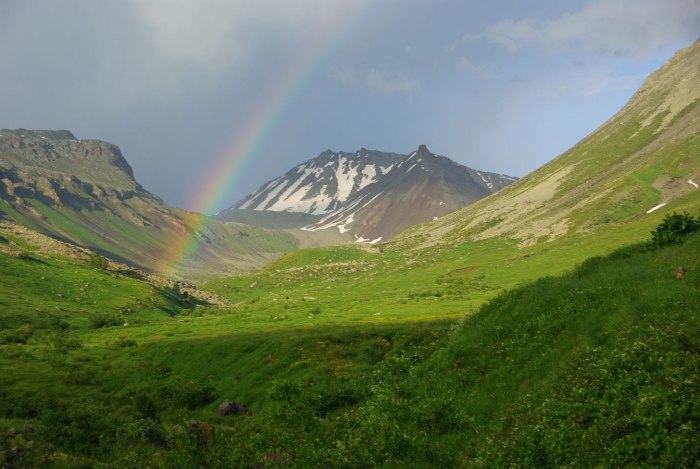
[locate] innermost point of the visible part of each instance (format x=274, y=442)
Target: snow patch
x=369, y=174
x=435, y=218
x=656, y=207
x=362, y=239
x=263, y=205
x=690, y=181
x=342, y=228
x=342, y=217
x=345, y=175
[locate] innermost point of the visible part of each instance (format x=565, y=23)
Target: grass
x=535, y=376
x=591, y=368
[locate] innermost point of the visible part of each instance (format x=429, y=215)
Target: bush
x=673, y=228
x=126, y=342
x=103, y=320
x=98, y=262
x=18, y=336
x=193, y=395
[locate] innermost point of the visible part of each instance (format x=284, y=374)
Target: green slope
x=103, y=365
x=596, y=367
x=84, y=192
x=641, y=157
x=593, y=368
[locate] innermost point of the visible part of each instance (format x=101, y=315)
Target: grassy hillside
x=106, y=367
x=642, y=157
x=84, y=192
x=596, y=367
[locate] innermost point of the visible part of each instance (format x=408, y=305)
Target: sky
x=208, y=100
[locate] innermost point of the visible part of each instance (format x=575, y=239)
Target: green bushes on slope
x=594, y=368
x=598, y=367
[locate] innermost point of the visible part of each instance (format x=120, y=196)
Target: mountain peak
x=322, y=184
x=57, y=152
x=43, y=134
x=422, y=149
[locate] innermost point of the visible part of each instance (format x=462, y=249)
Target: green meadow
x=352, y=357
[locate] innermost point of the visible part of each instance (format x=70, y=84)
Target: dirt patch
x=462, y=271
x=528, y=201
x=673, y=188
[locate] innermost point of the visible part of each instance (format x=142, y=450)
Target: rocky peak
x=40, y=134
x=55, y=153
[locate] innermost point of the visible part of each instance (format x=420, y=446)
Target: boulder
x=232, y=408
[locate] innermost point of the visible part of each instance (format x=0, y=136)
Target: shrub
x=126, y=342
x=193, y=395
x=18, y=336
x=98, y=262
x=672, y=229
x=62, y=342
x=103, y=320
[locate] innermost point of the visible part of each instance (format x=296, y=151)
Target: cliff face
x=59, y=153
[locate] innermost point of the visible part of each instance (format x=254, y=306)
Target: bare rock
x=232, y=408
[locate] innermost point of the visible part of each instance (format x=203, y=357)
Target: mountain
x=422, y=187
x=366, y=195
x=644, y=160
x=84, y=192
x=321, y=184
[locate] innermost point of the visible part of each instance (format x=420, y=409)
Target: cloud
x=480, y=71
x=380, y=79
x=109, y=57
x=596, y=82
x=213, y=34
x=631, y=27
x=387, y=81
x=345, y=74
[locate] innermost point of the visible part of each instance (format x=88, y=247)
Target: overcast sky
x=500, y=86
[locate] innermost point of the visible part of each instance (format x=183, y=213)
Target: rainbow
x=247, y=141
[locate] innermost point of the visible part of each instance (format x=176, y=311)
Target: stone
x=232, y=408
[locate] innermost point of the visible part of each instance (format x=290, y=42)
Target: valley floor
x=594, y=367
